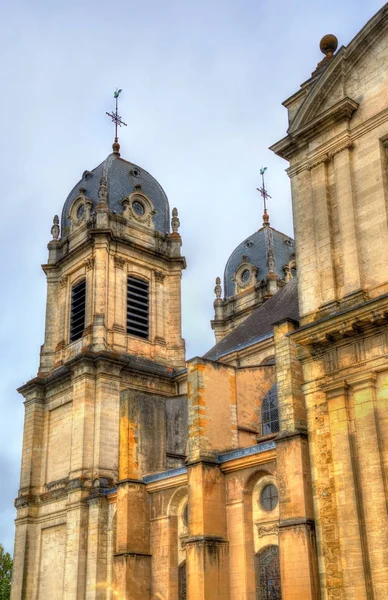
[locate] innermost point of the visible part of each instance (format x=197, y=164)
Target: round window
x=81, y=211
x=138, y=208
x=245, y=276
x=269, y=497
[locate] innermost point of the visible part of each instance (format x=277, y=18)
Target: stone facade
x=258, y=471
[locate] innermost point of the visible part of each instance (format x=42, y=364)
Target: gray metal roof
x=255, y=247
x=259, y=325
x=122, y=176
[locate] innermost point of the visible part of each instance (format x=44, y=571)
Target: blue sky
x=203, y=84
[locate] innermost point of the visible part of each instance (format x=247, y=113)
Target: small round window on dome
x=81, y=211
x=248, y=244
x=138, y=208
x=245, y=276
x=269, y=497
x=134, y=172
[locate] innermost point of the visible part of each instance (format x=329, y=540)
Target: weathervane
x=117, y=121
x=265, y=195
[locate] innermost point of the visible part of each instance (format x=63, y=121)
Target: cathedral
x=258, y=471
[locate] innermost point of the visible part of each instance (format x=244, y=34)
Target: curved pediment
x=352, y=80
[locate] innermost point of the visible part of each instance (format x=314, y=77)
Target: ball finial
x=328, y=44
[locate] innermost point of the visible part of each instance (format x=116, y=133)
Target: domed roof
x=122, y=176
x=254, y=250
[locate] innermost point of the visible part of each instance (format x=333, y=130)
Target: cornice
x=165, y=484
x=328, y=150
x=342, y=110
x=345, y=324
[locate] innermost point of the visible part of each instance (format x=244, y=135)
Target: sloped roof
x=259, y=325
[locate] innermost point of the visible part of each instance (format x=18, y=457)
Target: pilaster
x=371, y=478
x=323, y=237
x=207, y=550
x=347, y=222
x=96, y=571
x=354, y=562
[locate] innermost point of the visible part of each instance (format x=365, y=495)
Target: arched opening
x=267, y=574
x=182, y=581
x=270, y=412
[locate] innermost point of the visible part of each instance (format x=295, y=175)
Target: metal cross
x=115, y=115
x=262, y=189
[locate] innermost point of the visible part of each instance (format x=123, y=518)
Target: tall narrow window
x=137, y=307
x=182, y=581
x=270, y=412
x=267, y=571
x=77, y=316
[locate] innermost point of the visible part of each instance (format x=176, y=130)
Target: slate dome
x=255, y=249
x=122, y=176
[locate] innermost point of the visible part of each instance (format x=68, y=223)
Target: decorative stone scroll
x=119, y=262
x=159, y=276
x=89, y=263
x=270, y=530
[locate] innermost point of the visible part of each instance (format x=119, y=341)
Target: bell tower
x=112, y=346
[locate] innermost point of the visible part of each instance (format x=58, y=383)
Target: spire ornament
x=117, y=121
x=55, y=228
x=218, y=288
x=265, y=195
x=175, y=222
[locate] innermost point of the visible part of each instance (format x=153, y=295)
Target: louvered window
x=77, y=318
x=137, y=307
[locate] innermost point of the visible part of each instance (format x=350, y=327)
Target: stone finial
x=55, y=228
x=218, y=288
x=103, y=191
x=328, y=45
x=175, y=222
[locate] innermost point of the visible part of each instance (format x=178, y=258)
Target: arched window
x=182, y=581
x=267, y=573
x=270, y=412
x=77, y=313
x=137, y=307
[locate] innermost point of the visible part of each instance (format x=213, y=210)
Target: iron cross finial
x=265, y=195
x=116, y=120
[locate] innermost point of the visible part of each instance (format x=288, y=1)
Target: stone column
x=371, y=484
x=241, y=548
x=51, y=324
x=347, y=223
x=355, y=567
x=100, y=292
x=160, y=336
x=132, y=558
x=106, y=419
x=207, y=552
x=306, y=252
x=20, y=556
x=76, y=546
x=82, y=435
x=96, y=572
x=120, y=298
x=164, y=550
x=323, y=237
x=30, y=479
x=298, y=556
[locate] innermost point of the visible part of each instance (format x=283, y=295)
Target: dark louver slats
x=137, y=307
x=77, y=318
